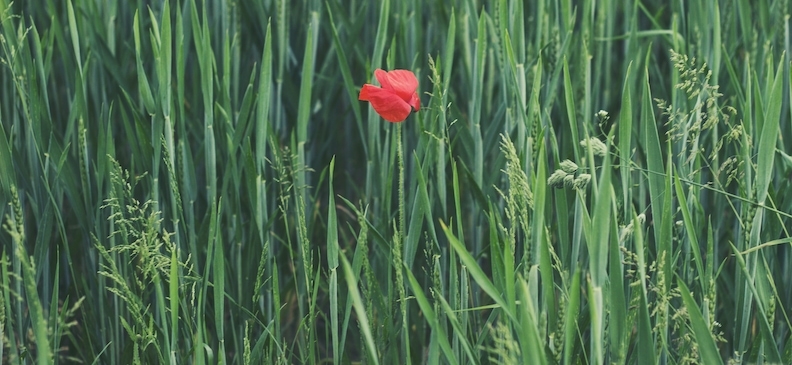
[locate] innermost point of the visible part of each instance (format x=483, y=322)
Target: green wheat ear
x=504, y=348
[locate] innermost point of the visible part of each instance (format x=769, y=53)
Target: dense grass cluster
x=587, y=182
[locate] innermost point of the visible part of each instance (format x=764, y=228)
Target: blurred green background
x=586, y=182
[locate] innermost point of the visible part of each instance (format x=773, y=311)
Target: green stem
x=400, y=156
x=400, y=244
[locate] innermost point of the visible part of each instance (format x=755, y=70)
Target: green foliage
x=586, y=182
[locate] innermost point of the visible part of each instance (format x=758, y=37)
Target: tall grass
x=587, y=182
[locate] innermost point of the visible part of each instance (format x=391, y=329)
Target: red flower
x=396, y=98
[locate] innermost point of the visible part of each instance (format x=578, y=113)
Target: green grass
x=586, y=182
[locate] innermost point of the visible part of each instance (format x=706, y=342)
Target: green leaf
x=431, y=317
x=708, y=351
x=360, y=310
x=769, y=136
x=478, y=274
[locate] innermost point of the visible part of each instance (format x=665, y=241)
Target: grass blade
x=357, y=303
x=475, y=270
x=706, y=345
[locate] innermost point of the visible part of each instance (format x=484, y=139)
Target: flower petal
x=402, y=82
x=386, y=103
x=415, y=102
x=364, y=92
x=382, y=77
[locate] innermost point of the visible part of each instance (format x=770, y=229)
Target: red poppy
x=396, y=98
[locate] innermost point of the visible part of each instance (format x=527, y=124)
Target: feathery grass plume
x=581, y=181
x=370, y=281
x=684, y=342
x=597, y=147
x=141, y=252
x=398, y=266
x=662, y=304
x=569, y=167
x=246, y=344
x=569, y=181
x=287, y=167
x=435, y=274
x=704, y=115
x=257, y=295
x=373, y=298
x=565, y=176
x=306, y=252
x=626, y=232
x=282, y=163
x=519, y=200
x=369, y=285
x=733, y=168
x=25, y=274
x=556, y=179
x=399, y=240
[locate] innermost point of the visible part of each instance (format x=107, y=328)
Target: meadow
x=586, y=182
